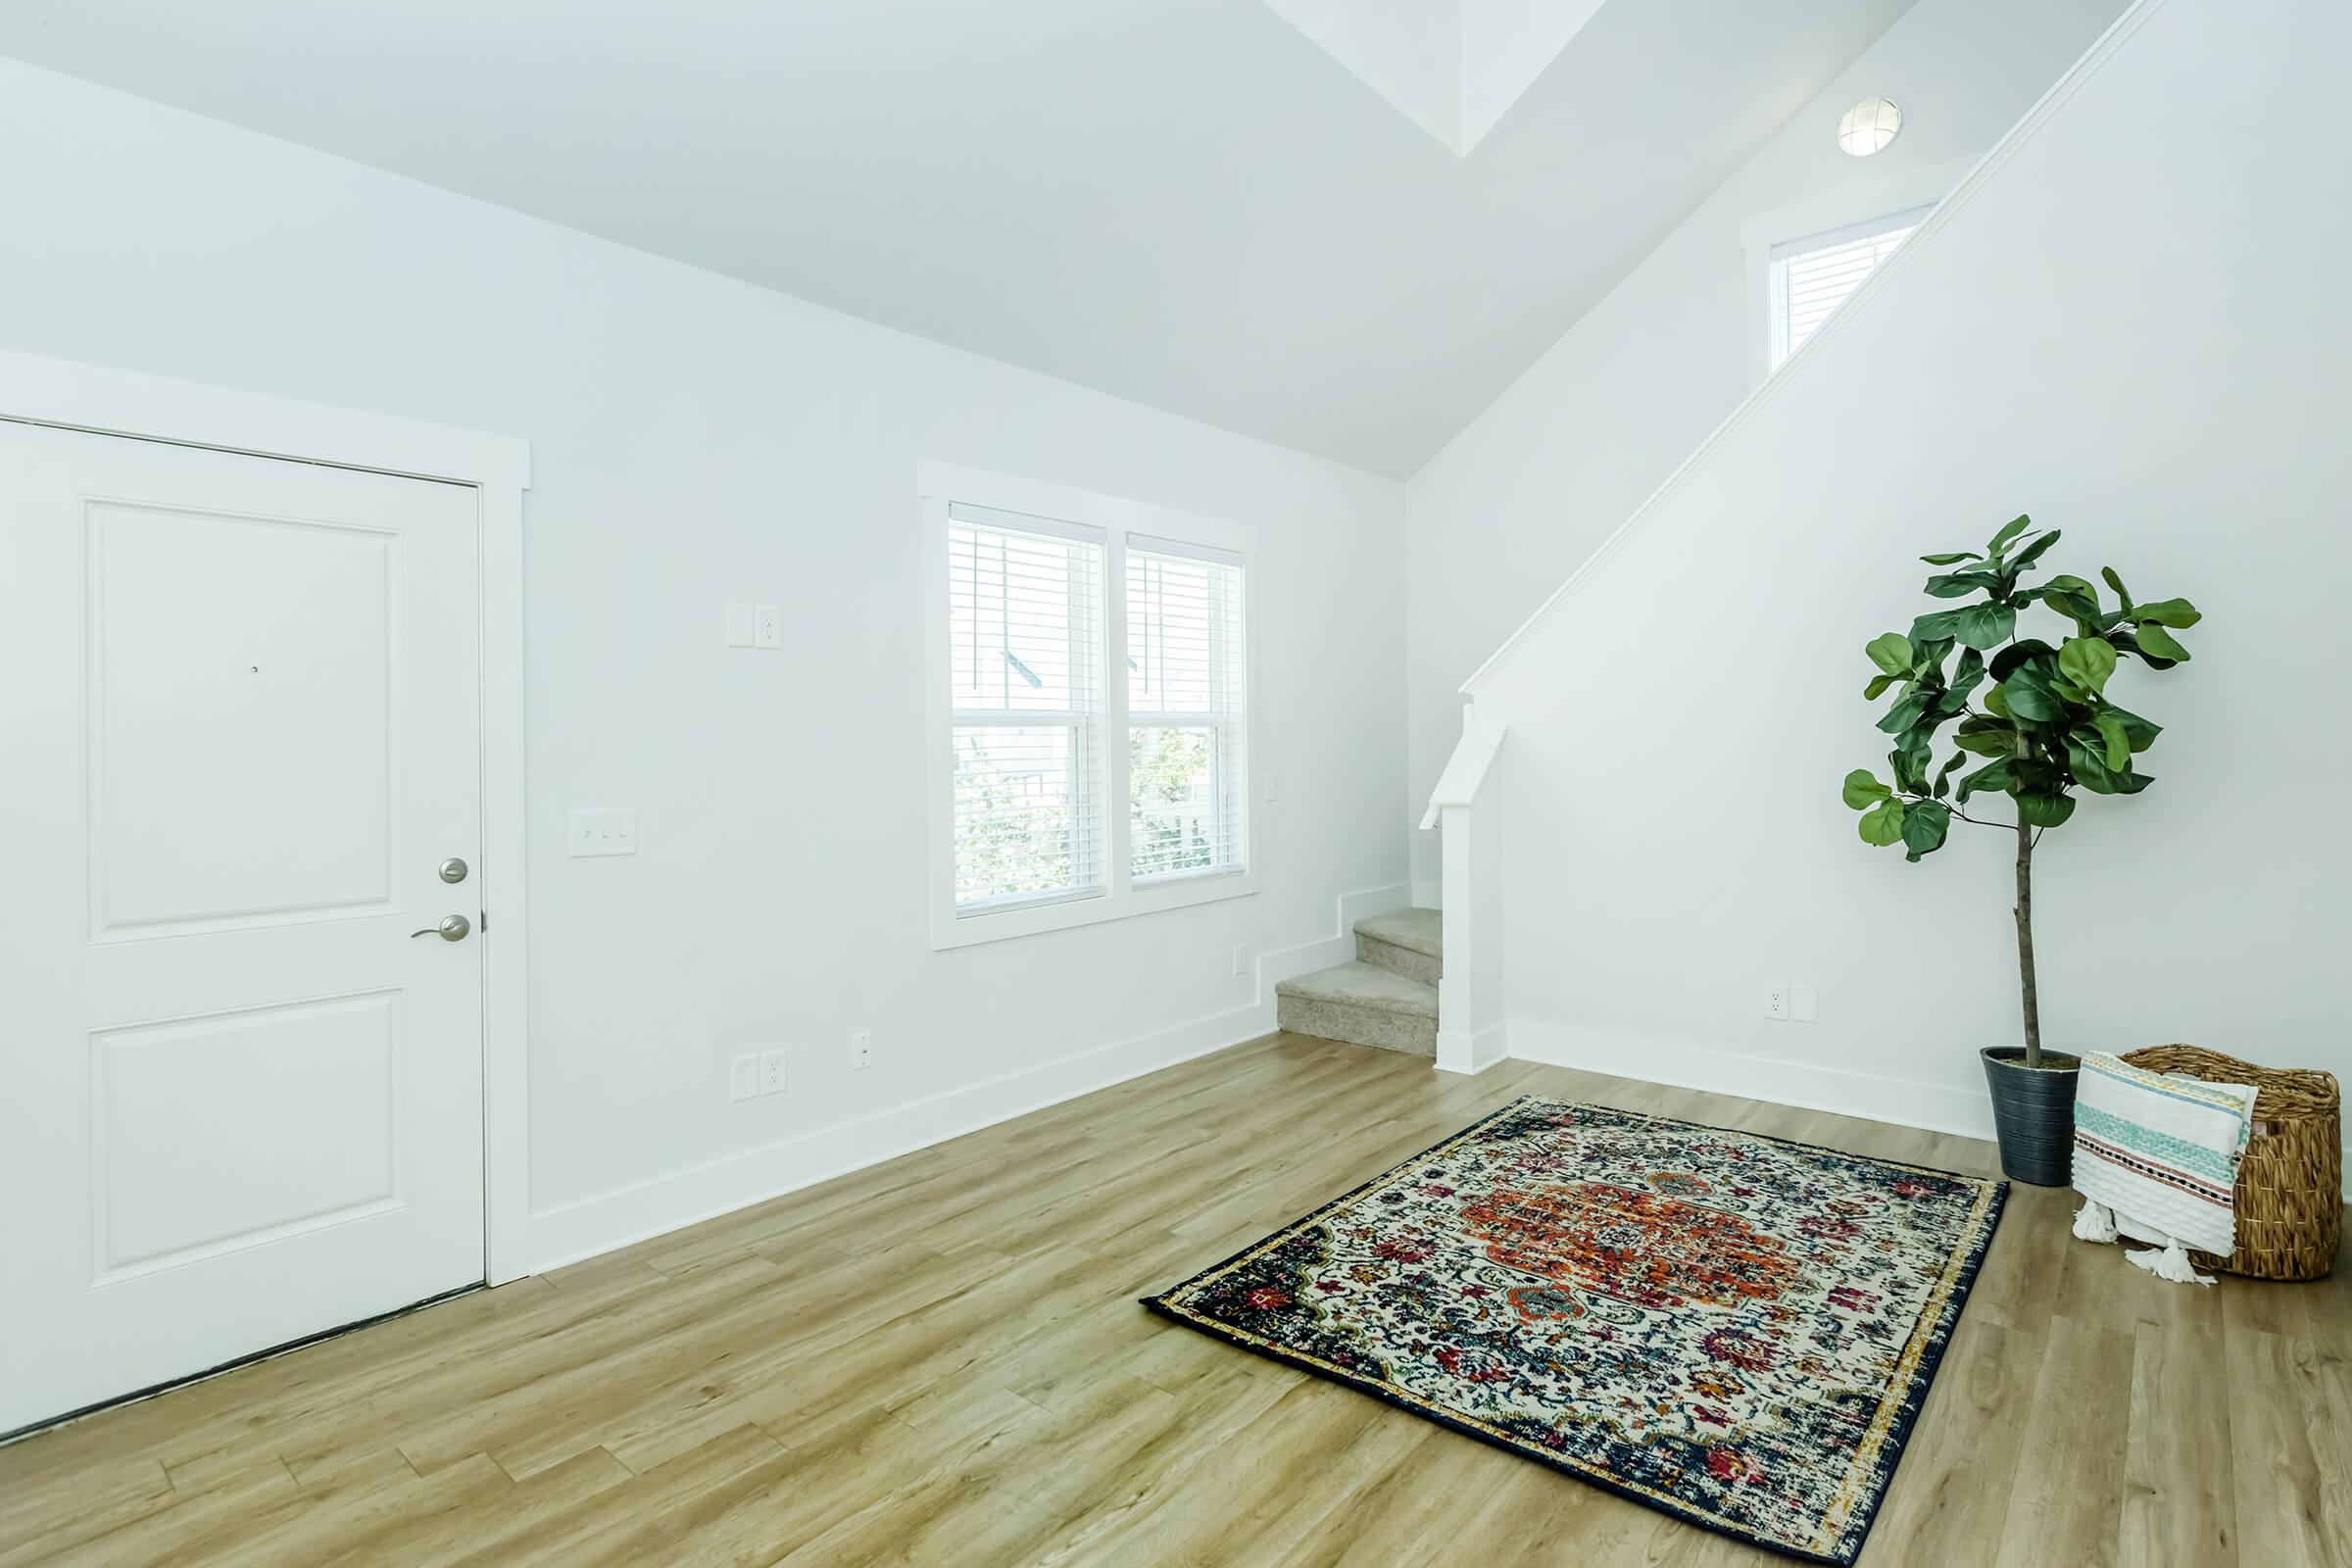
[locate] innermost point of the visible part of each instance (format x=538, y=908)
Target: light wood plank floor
x=939, y=1360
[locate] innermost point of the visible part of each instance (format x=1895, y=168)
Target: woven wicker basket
x=2290, y=1204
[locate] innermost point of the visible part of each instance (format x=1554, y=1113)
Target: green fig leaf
x=1892, y=653
x=1882, y=823
x=1863, y=789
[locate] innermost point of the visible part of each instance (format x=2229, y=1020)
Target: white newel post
x=1466, y=809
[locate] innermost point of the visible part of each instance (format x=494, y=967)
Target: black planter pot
x=2033, y=1113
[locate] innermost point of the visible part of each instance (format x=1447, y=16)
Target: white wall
x=1518, y=499
x=2135, y=329
x=698, y=440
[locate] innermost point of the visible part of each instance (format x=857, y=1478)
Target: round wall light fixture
x=1869, y=127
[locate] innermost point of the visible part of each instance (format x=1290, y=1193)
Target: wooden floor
x=939, y=1360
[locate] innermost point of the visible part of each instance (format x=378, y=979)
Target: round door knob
x=452, y=929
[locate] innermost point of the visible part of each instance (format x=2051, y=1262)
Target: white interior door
x=239, y=724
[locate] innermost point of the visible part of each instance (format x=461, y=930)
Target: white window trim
x=1117, y=518
x=1867, y=202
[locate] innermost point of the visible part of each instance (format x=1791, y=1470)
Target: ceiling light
x=1869, y=127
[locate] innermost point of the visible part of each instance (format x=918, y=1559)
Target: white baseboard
x=599, y=1224
x=1471, y=1054
x=1907, y=1103
x=570, y=1232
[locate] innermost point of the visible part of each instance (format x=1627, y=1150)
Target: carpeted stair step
x=1363, y=1005
x=1407, y=942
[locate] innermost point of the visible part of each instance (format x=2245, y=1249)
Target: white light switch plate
x=741, y=625
x=603, y=830
x=743, y=1077
x=767, y=626
x=1804, y=1003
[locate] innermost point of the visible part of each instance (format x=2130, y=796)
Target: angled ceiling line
x=1454, y=68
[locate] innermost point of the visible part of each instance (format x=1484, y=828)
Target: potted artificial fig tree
x=2035, y=719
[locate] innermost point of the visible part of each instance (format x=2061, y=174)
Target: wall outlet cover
x=603, y=830
x=1776, y=1001
x=771, y=1072
x=862, y=1050
x=740, y=625
x=1804, y=1003
x=743, y=1077
x=767, y=624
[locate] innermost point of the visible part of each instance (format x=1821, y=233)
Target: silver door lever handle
x=452, y=929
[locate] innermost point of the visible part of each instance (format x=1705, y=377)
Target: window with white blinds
x=1089, y=700
x=1187, y=713
x=1025, y=632
x=1812, y=277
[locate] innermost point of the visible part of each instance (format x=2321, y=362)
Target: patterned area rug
x=1730, y=1328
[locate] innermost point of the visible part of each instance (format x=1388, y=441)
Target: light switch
x=740, y=625
x=603, y=830
x=769, y=626
x=1804, y=1003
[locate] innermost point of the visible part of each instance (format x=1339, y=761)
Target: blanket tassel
x=2094, y=1223
x=2169, y=1263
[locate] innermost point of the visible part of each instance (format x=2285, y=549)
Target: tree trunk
x=2025, y=938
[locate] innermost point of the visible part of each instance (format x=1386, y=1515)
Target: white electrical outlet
x=603, y=830
x=767, y=626
x=740, y=625
x=1776, y=1001
x=1804, y=1003
x=743, y=1077
x=1241, y=960
x=771, y=1072
x=862, y=1050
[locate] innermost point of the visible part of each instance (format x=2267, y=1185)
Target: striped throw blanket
x=2161, y=1151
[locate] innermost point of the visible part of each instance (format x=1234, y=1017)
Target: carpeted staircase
x=1387, y=998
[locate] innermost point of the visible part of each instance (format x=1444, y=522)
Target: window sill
x=950, y=930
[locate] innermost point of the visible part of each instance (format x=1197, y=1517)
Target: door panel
x=241, y=677
x=214, y=1132
x=242, y=1101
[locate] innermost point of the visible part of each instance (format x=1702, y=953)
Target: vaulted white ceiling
x=1260, y=220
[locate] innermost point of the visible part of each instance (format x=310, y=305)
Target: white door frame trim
x=37, y=390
